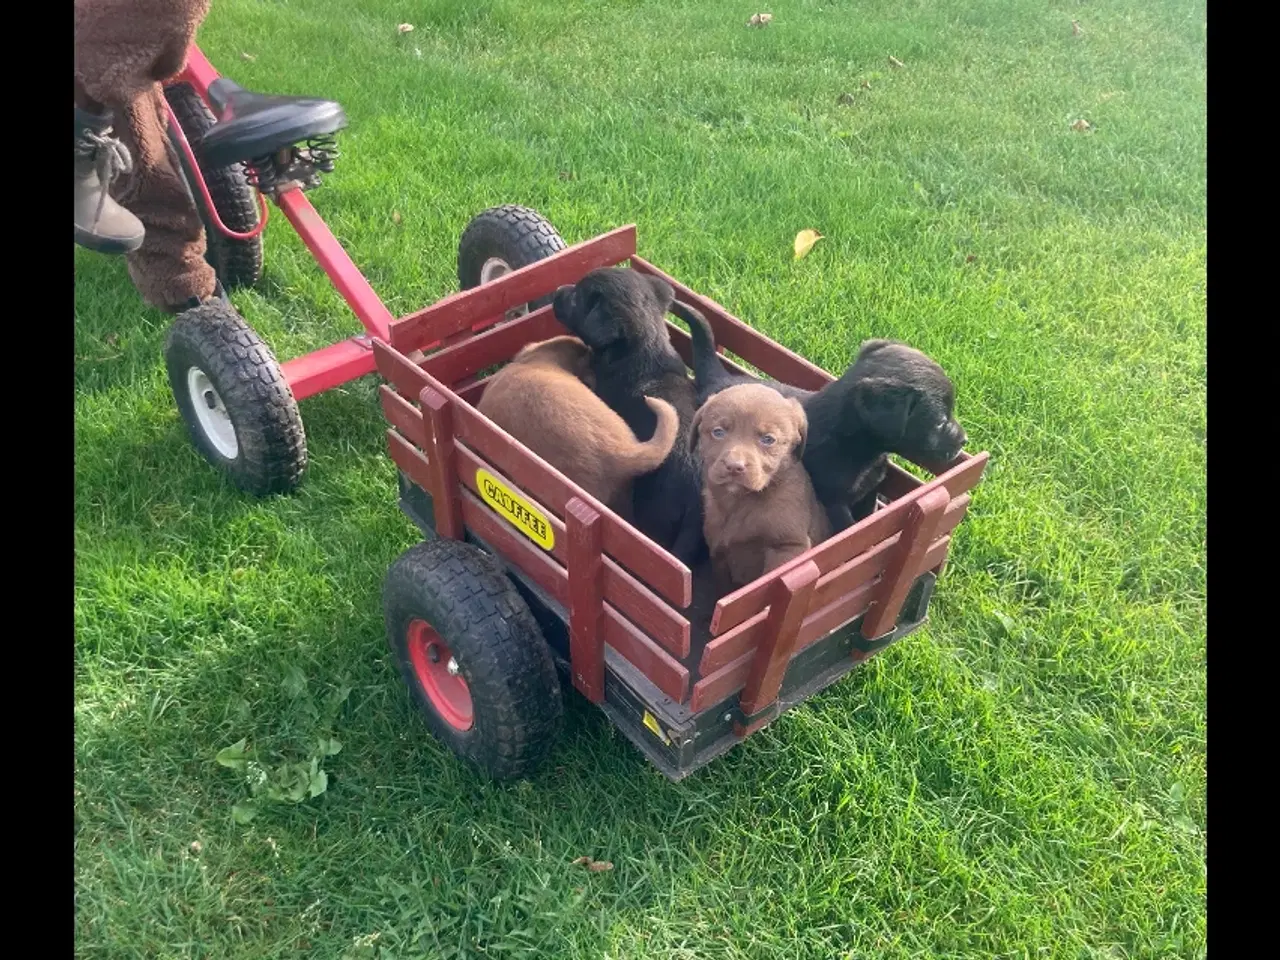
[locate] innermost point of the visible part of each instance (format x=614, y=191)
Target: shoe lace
x=111, y=158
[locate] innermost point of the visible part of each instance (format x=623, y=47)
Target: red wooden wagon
x=522, y=574
x=684, y=675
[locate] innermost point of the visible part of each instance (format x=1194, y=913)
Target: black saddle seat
x=253, y=125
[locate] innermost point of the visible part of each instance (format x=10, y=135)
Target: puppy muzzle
x=562, y=302
x=732, y=472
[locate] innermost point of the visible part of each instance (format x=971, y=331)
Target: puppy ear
x=871, y=346
x=884, y=406
x=693, y=431
x=801, y=421
x=662, y=290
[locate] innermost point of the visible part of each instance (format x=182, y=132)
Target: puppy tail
x=648, y=456
x=707, y=369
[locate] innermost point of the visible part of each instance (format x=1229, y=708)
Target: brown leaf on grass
x=805, y=240
x=595, y=866
x=1082, y=126
x=405, y=27
x=895, y=62
x=395, y=216
x=970, y=258
x=248, y=56
x=567, y=175
x=866, y=84
x=1075, y=28
x=845, y=99
x=759, y=19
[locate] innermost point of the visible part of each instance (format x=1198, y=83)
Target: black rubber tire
x=465, y=596
x=517, y=235
x=271, y=454
x=238, y=263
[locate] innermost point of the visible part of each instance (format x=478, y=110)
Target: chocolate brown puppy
x=621, y=315
x=759, y=506
x=892, y=399
x=541, y=400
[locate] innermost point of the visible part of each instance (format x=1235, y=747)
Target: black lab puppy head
x=613, y=309
x=905, y=401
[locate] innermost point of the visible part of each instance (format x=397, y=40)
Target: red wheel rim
x=437, y=673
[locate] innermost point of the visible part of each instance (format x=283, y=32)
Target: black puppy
x=621, y=315
x=893, y=399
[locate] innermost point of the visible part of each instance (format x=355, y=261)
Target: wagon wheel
x=238, y=263
x=470, y=651
x=235, y=400
x=503, y=239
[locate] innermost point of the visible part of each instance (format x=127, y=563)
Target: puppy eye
x=768, y=440
x=717, y=433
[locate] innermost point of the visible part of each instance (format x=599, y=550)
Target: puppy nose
x=735, y=465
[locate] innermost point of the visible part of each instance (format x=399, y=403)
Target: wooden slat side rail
x=494, y=346
x=721, y=681
x=787, y=608
x=747, y=601
x=871, y=563
x=725, y=682
x=923, y=520
x=411, y=462
x=632, y=598
x=755, y=348
x=404, y=416
x=898, y=483
x=393, y=366
x=465, y=309
x=855, y=581
x=473, y=392
x=586, y=599
x=654, y=566
x=438, y=409
x=661, y=668
x=665, y=672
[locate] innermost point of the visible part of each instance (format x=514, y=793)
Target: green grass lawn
x=1023, y=778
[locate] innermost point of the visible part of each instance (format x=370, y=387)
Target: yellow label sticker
x=518, y=511
x=651, y=722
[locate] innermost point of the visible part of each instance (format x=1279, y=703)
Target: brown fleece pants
x=124, y=50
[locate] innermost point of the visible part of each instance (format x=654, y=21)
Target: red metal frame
x=342, y=362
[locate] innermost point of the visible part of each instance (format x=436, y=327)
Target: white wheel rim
x=491, y=270
x=215, y=423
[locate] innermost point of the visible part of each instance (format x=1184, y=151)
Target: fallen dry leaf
x=895, y=62
x=866, y=84
x=196, y=847
x=1075, y=28
x=1082, y=126
x=248, y=56
x=595, y=866
x=759, y=19
x=845, y=99
x=566, y=175
x=395, y=216
x=805, y=240
x=405, y=27
x=970, y=258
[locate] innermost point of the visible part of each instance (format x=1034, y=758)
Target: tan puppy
x=541, y=400
x=759, y=506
